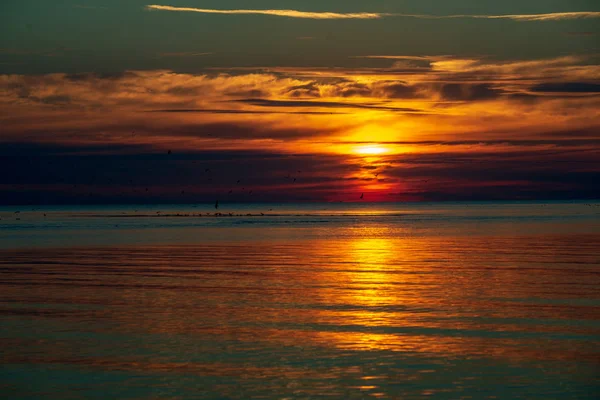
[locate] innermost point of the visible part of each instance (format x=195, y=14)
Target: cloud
x=456, y=124
x=525, y=172
x=225, y=111
x=546, y=17
x=323, y=104
x=469, y=92
x=567, y=87
x=278, y=13
x=307, y=110
x=376, y=15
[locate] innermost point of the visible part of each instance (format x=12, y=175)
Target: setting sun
x=371, y=149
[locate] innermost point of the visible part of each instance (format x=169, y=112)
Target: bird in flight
x=362, y=195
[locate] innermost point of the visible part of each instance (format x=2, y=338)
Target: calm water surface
x=449, y=301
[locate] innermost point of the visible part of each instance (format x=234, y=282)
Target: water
x=490, y=300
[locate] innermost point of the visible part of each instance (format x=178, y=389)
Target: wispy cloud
x=547, y=17
x=277, y=13
x=375, y=15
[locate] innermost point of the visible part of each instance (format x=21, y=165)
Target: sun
x=371, y=149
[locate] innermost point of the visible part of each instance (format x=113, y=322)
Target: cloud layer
x=442, y=128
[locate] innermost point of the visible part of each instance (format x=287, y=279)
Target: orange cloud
x=297, y=110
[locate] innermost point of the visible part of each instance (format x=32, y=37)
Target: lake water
x=341, y=301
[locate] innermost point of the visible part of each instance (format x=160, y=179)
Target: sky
x=127, y=101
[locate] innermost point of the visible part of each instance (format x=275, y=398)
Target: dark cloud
x=558, y=142
x=184, y=90
x=147, y=130
x=354, y=89
x=323, y=104
x=55, y=173
x=226, y=111
x=567, y=87
x=469, y=92
x=549, y=174
x=28, y=149
x=399, y=90
x=87, y=76
x=247, y=93
x=592, y=132
x=311, y=89
x=55, y=100
x=66, y=174
x=239, y=130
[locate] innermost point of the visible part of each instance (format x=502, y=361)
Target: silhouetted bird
x=217, y=204
x=362, y=195
x=238, y=181
x=207, y=170
x=169, y=152
x=231, y=191
x=294, y=179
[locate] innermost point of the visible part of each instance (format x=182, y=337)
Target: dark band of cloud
x=323, y=104
x=225, y=111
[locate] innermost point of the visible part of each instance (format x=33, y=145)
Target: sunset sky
x=406, y=100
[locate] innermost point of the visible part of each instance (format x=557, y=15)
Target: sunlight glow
x=371, y=149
